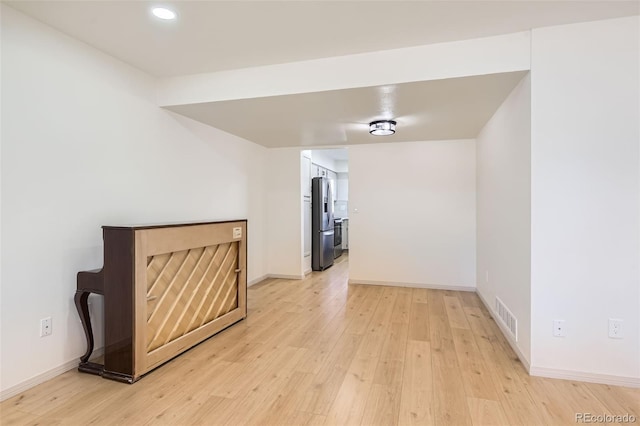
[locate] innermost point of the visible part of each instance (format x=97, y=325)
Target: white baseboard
x=413, y=285
x=286, y=277
x=43, y=377
x=581, y=376
x=276, y=276
x=257, y=280
x=523, y=359
x=551, y=373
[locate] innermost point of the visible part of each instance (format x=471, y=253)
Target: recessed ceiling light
x=382, y=127
x=163, y=13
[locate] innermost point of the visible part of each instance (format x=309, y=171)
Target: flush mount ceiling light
x=163, y=13
x=382, y=127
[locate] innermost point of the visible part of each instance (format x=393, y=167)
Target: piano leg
x=81, y=301
x=82, y=305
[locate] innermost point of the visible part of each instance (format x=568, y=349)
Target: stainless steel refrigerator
x=321, y=224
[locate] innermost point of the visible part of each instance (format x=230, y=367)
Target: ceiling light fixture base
x=382, y=127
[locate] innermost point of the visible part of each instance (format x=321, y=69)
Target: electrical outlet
x=558, y=328
x=486, y=276
x=615, y=328
x=45, y=327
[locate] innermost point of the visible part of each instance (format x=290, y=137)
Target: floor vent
x=507, y=318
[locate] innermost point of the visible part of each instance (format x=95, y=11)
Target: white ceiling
x=454, y=108
x=218, y=35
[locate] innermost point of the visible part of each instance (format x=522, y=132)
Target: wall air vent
x=507, y=318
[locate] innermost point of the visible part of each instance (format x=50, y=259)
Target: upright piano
x=166, y=288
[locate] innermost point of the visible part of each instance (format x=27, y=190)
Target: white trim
x=506, y=333
x=581, y=376
x=257, y=280
x=413, y=285
x=43, y=377
x=275, y=276
x=552, y=373
x=286, y=277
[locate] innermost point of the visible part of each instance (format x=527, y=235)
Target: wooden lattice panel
x=188, y=289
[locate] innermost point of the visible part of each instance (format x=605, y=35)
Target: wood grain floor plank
x=475, y=374
x=207, y=414
x=360, y=320
x=402, y=307
x=318, y=397
x=375, y=333
x=392, y=358
x=261, y=393
x=319, y=351
x=419, y=322
x=486, y=412
x=470, y=299
x=455, y=313
x=350, y=401
x=513, y=394
x=450, y=404
x=50, y=395
x=383, y=405
x=420, y=295
x=416, y=404
x=20, y=418
x=328, y=336
x=284, y=409
x=616, y=402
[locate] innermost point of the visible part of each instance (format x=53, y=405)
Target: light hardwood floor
x=318, y=351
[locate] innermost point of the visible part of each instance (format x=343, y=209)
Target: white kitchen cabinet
x=319, y=171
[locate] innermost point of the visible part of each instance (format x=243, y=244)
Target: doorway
x=332, y=165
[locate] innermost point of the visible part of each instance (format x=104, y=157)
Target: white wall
x=83, y=145
x=321, y=159
x=585, y=218
x=342, y=166
x=1, y=10
x=343, y=187
x=503, y=183
x=284, y=213
x=412, y=213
